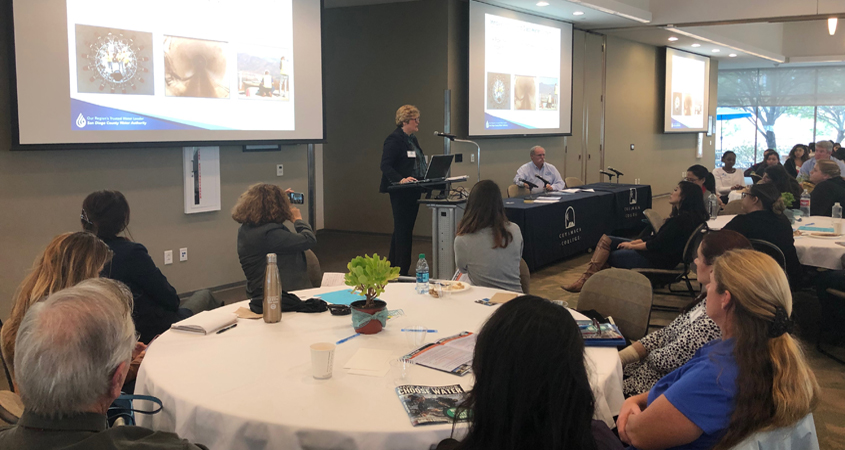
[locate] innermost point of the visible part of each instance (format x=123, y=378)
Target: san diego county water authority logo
x=80, y=121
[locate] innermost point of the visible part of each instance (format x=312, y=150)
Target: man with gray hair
x=73, y=352
x=823, y=151
x=539, y=172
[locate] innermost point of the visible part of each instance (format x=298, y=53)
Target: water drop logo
x=80, y=121
x=487, y=124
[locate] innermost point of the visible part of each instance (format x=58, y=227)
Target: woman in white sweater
x=488, y=246
x=727, y=177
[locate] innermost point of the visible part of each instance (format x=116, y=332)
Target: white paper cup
x=401, y=370
x=322, y=360
x=415, y=336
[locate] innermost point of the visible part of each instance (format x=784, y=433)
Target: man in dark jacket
x=402, y=161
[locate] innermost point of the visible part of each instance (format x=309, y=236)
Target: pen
x=347, y=338
x=419, y=331
x=808, y=224
x=227, y=328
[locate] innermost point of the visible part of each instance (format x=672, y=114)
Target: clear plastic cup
x=415, y=336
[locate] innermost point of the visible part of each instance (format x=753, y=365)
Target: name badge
x=412, y=154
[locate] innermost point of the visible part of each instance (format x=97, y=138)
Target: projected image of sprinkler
x=113, y=61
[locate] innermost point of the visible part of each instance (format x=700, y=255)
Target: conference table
x=813, y=251
x=556, y=226
x=251, y=387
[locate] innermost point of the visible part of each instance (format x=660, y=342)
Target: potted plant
x=368, y=275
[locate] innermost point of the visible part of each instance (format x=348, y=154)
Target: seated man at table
x=823, y=152
x=72, y=354
x=536, y=169
x=830, y=188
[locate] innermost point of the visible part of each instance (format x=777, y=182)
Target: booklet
x=608, y=336
x=205, y=322
x=427, y=405
x=452, y=354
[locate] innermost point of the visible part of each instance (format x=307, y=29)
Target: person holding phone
x=402, y=161
x=262, y=211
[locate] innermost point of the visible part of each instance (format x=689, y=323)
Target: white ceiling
x=762, y=33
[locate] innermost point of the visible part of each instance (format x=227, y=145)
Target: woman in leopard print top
x=657, y=354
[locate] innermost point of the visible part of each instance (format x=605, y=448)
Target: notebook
x=206, y=322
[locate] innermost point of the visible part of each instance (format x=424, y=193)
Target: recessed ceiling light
x=542, y=3
x=732, y=55
x=696, y=45
x=578, y=13
x=716, y=50
x=673, y=39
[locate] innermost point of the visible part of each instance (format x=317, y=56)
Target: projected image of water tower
x=498, y=90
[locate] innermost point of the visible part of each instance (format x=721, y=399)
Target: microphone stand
x=478, y=153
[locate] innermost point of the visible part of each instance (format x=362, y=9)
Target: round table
x=251, y=387
x=812, y=251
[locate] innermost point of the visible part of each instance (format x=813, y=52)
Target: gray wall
x=41, y=195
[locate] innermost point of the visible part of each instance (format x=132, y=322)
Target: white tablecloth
x=812, y=251
x=251, y=387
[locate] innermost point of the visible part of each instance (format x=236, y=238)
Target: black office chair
x=771, y=250
x=668, y=277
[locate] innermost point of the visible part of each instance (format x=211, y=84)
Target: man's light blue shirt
x=529, y=171
x=810, y=163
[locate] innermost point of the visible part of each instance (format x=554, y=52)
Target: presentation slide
x=520, y=73
x=168, y=71
x=687, y=91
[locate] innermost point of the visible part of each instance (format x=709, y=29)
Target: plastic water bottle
x=713, y=205
x=805, y=204
x=837, y=218
x=422, y=275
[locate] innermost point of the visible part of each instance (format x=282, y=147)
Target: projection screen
x=687, y=92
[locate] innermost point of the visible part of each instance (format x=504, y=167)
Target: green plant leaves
x=369, y=275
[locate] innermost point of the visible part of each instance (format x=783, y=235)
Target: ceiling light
x=716, y=50
x=696, y=45
x=542, y=3
x=831, y=25
x=578, y=13
x=732, y=55
x=673, y=39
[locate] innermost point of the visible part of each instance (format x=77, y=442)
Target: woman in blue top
x=754, y=378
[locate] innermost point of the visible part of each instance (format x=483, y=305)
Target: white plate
x=448, y=286
x=813, y=235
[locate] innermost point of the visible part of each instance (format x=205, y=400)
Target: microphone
x=543, y=180
x=530, y=184
x=618, y=173
x=446, y=135
x=607, y=173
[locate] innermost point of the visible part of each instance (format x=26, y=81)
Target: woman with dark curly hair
x=262, y=211
x=157, y=305
x=797, y=157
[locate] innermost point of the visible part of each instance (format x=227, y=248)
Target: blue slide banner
x=88, y=116
x=492, y=122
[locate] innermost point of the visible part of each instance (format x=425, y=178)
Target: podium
x=446, y=213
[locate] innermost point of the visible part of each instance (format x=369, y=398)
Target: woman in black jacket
x=797, y=157
x=778, y=176
x=402, y=161
x=157, y=305
x=663, y=250
x=764, y=220
x=829, y=190
x=262, y=211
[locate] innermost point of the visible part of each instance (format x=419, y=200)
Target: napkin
x=369, y=362
x=246, y=313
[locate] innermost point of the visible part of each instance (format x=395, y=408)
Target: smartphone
x=297, y=198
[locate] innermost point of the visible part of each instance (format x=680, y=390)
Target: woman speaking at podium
x=402, y=161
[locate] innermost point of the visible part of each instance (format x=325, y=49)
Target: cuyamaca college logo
x=569, y=218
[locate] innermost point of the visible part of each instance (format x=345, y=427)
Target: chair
x=572, y=182
x=733, y=208
x=11, y=407
x=654, y=219
x=517, y=191
x=771, y=250
x=841, y=295
x=624, y=294
x=680, y=273
x=801, y=436
x=312, y=266
x=5, y=367
x=524, y=276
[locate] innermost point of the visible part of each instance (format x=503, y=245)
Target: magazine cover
x=451, y=354
x=427, y=405
x=608, y=335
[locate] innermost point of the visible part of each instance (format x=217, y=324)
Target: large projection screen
x=520, y=73
x=687, y=92
x=96, y=72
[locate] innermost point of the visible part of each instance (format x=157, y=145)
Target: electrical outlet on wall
x=280, y=170
x=168, y=257
x=472, y=157
x=183, y=254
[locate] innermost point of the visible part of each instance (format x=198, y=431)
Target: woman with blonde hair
x=262, y=211
x=68, y=259
x=754, y=378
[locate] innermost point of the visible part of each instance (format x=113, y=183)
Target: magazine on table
x=600, y=334
x=452, y=354
x=428, y=405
